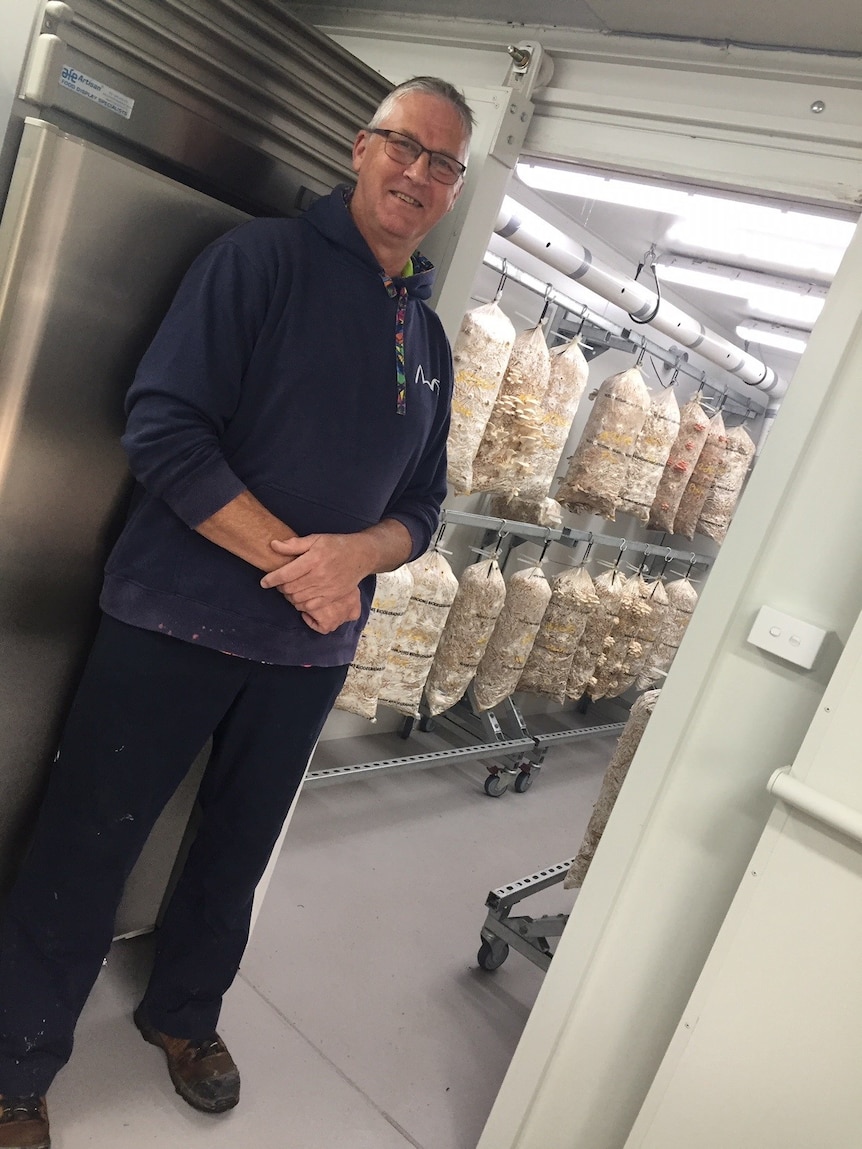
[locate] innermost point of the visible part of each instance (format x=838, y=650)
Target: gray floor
x=360, y=1018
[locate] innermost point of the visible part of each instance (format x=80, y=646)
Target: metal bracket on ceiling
x=531, y=67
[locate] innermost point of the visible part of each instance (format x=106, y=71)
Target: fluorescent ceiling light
x=781, y=303
x=716, y=235
x=713, y=223
x=767, y=338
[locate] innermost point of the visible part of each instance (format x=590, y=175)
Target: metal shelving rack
x=529, y=936
x=502, y=734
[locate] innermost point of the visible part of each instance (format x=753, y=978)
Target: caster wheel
x=523, y=782
x=426, y=723
x=495, y=785
x=492, y=954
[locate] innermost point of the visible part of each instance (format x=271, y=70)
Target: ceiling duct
x=532, y=234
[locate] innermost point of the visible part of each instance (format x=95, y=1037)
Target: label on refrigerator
x=95, y=90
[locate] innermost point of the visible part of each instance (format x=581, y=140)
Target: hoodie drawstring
x=399, y=294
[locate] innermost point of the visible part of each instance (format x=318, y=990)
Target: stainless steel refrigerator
x=135, y=133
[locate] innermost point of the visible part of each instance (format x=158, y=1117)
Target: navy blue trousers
x=145, y=707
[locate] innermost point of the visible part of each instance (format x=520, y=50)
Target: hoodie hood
x=330, y=216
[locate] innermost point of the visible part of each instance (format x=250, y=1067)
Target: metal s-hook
x=545, y=545
x=693, y=560
x=503, y=280
x=549, y=291
x=590, y=545
x=648, y=260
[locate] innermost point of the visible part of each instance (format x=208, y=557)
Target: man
x=289, y=421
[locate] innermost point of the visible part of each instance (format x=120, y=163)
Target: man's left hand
x=320, y=567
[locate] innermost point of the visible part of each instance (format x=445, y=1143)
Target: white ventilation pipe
x=532, y=234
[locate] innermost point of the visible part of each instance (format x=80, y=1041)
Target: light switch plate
x=787, y=637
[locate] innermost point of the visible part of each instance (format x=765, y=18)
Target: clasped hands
x=321, y=577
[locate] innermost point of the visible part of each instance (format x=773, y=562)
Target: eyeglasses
x=405, y=150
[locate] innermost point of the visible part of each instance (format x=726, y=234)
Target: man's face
x=393, y=203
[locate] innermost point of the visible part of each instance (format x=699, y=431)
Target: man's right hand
x=328, y=616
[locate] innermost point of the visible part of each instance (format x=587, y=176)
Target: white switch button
x=787, y=637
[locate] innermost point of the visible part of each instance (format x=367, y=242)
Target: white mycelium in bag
x=650, y=455
x=597, y=641
x=649, y=631
x=566, y=384
x=693, y=429
x=362, y=685
x=682, y=599
x=412, y=653
x=573, y=599
x=703, y=479
x=722, y=499
x=474, y=613
x=541, y=512
x=612, y=782
x=527, y=596
x=611, y=666
x=597, y=470
x=480, y=354
x=514, y=429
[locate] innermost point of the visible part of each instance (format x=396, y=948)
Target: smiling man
x=287, y=430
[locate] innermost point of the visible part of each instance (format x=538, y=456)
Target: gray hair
x=428, y=86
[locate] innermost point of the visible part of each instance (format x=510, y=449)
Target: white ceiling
x=630, y=232
x=830, y=27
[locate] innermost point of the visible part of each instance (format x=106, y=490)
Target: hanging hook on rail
x=692, y=562
x=648, y=260
x=590, y=544
x=503, y=280
x=549, y=291
x=545, y=545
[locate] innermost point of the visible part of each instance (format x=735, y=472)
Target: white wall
x=768, y=1051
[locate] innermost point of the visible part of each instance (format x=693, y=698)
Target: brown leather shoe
x=203, y=1071
x=24, y=1123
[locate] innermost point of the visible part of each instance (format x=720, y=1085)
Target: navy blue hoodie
x=275, y=372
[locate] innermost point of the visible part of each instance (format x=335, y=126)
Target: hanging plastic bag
x=722, y=499
x=596, y=640
x=527, y=596
x=681, y=599
x=703, y=479
x=471, y=621
x=480, y=355
x=615, y=775
x=412, y=653
x=647, y=634
x=597, y=470
x=693, y=429
x=514, y=428
x=611, y=666
x=362, y=685
x=566, y=383
x=650, y=455
x=573, y=599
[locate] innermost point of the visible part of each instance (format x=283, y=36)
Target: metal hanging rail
x=570, y=536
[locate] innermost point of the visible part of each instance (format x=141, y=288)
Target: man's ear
x=359, y=146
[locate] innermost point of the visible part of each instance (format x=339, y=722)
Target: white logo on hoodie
x=431, y=384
